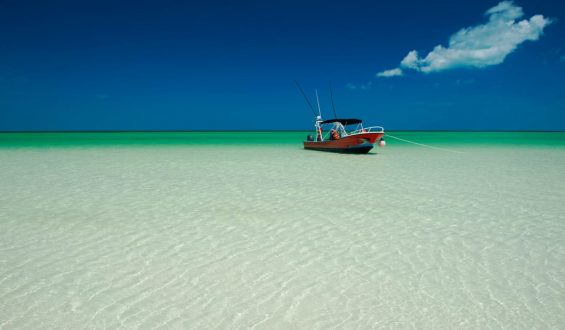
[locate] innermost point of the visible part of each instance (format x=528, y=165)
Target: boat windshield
x=340, y=129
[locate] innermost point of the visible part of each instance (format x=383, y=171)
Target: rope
x=425, y=145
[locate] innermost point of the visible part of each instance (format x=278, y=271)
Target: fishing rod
x=332, y=97
x=318, y=102
x=306, y=98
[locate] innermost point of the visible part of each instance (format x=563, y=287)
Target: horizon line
x=259, y=131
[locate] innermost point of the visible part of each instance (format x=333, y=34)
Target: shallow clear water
x=132, y=231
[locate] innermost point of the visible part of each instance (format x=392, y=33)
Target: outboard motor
x=309, y=137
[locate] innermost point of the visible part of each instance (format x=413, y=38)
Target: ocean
x=237, y=230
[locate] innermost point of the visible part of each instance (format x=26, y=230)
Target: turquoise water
x=551, y=139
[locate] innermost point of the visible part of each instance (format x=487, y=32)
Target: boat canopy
x=344, y=122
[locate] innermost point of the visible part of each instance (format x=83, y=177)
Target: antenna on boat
x=332, y=97
x=305, y=97
x=318, y=100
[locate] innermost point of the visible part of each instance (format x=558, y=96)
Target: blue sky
x=181, y=65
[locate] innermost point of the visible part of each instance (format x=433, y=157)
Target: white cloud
x=390, y=73
x=351, y=87
x=410, y=61
x=366, y=86
x=479, y=46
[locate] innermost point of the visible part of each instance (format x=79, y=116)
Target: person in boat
x=334, y=135
x=338, y=130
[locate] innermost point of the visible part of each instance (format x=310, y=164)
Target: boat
x=344, y=136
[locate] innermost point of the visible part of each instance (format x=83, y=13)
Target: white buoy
x=382, y=143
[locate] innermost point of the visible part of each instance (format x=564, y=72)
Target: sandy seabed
x=279, y=237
